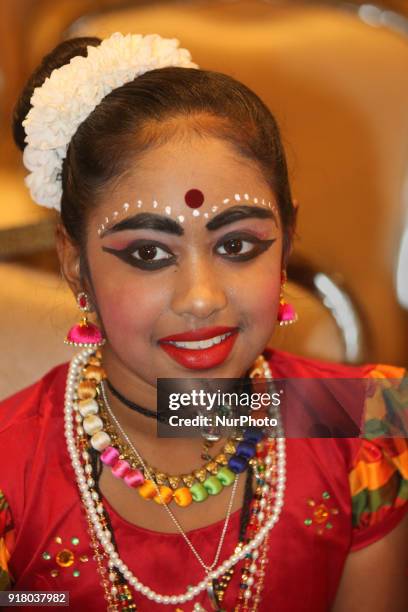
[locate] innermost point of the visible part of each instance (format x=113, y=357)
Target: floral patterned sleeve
x=7, y=536
x=379, y=475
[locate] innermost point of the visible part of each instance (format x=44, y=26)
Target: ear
x=69, y=258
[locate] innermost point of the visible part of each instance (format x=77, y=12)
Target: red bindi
x=194, y=198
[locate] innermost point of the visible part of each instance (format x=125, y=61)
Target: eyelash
x=259, y=246
x=127, y=254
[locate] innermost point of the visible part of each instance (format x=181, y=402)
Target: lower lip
x=201, y=359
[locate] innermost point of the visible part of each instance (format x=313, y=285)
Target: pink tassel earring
x=286, y=313
x=84, y=333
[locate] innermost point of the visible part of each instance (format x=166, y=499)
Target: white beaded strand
x=104, y=535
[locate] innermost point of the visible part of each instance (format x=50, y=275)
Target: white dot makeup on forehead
x=192, y=203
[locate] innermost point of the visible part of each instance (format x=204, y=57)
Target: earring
x=286, y=313
x=84, y=333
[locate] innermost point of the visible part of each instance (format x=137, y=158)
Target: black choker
x=151, y=414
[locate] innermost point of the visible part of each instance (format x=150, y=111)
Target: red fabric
x=37, y=479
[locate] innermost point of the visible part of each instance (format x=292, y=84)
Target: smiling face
x=182, y=294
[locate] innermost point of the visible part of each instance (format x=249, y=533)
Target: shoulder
x=290, y=365
x=39, y=401
x=373, y=396
x=31, y=434
x=31, y=438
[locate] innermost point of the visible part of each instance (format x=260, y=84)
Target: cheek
x=258, y=292
x=263, y=299
x=130, y=309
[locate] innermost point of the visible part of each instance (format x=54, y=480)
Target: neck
x=133, y=388
x=142, y=430
x=176, y=453
x=173, y=453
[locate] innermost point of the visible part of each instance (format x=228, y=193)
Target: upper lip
x=204, y=333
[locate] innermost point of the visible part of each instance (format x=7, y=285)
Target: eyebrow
x=236, y=213
x=169, y=226
x=146, y=221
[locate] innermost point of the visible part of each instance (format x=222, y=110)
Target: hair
x=147, y=112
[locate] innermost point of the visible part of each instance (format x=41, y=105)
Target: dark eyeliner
x=126, y=255
x=260, y=246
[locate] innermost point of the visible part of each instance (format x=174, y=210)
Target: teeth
x=201, y=344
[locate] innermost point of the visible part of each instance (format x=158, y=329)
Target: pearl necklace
x=104, y=535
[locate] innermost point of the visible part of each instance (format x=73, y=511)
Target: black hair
x=149, y=111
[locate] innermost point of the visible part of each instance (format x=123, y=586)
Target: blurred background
x=335, y=74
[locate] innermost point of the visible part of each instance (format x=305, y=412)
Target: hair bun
x=60, y=56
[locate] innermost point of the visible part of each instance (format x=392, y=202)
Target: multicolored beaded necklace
x=196, y=486
x=268, y=461
x=199, y=484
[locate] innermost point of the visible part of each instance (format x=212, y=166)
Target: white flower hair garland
x=70, y=94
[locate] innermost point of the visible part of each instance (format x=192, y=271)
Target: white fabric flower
x=69, y=95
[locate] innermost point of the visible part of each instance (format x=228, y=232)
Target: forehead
x=185, y=180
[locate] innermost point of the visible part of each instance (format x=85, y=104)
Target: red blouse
x=341, y=495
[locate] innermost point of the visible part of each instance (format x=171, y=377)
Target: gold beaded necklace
x=210, y=468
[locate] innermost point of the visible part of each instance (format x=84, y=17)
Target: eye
x=235, y=246
x=150, y=252
x=241, y=247
x=144, y=254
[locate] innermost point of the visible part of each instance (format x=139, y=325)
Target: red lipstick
x=195, y=357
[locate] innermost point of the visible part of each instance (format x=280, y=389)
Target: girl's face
x=185, y=259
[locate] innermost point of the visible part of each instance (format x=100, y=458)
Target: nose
x=199, y=291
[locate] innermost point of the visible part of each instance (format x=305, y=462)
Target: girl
x=176, y=227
